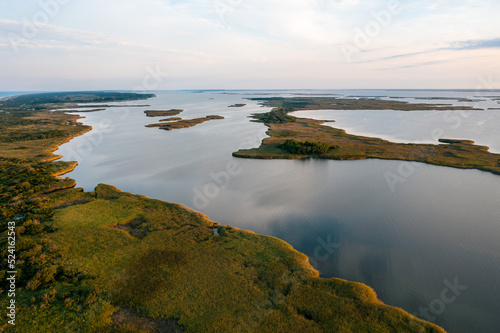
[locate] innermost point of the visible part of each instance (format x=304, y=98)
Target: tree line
x=306, y=147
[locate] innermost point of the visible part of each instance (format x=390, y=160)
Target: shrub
x=306, y=148
x=276, y=116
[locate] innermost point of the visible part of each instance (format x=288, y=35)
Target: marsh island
x=282, y=127
x=163, y=113
x=176, y=123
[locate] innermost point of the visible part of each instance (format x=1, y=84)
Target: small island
x=183, y=123
x=283, y=127
x=163, y=113
x=171, y=119
x=236, y=106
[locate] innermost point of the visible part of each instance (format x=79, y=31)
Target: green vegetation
x=30, y=191
x=242, y=276
x=171, y=119
x=164, y=113
x=28, y=136
x=109, y=261
x=184, y=123
x=276, y=116
x=454, y=153
x=306, y=148
x=39, y=101
x=329, y=103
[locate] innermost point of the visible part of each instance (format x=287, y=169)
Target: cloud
x=476, y=44
x=427, y=63
x=454, y=46
x=396, y=56
x=47, y=35
x=52, y=37
x=295, y=41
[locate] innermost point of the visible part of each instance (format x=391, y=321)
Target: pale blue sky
x=238, y=44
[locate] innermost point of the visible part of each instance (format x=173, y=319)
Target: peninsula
x=360, y=103
x=343, y=146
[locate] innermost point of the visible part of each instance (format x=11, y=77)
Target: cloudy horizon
x=241, y=44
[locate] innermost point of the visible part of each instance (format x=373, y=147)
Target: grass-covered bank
x=289, y=104
x=108, y=261
x=175, y=122
x=182, y=123
x=163, y=113
x=282, y=127
x=210, y=283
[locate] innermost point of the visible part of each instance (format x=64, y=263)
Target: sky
x=48, y=45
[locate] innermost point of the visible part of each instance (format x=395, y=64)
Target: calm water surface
x=408, y=241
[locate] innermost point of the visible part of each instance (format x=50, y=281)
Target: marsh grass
x=81, y=270
x=207, y=282
x=453, y=153
x=184, y=123
x=333, y=103
x=163, y=113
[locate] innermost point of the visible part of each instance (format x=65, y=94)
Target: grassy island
x=282, y=127
x=334, y=103
x=183, y=123
x=109, y=261
x=164, y=113
x=171, y=119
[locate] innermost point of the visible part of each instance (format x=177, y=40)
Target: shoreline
x=350, y=128
x=462, y=154
x=182, y=123
x=292, y=267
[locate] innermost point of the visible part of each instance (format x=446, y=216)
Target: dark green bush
x=306, y=148
x=276, y=116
